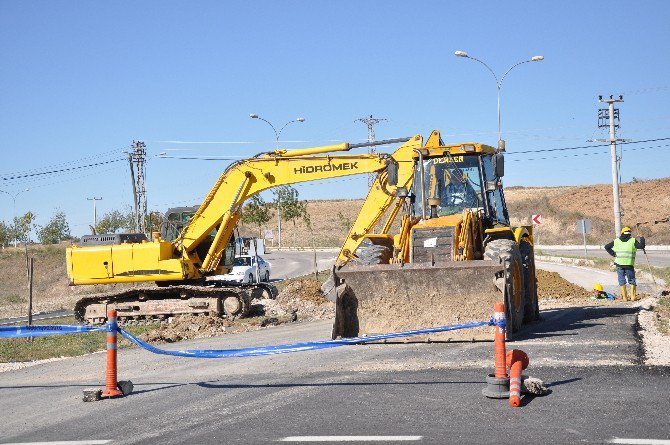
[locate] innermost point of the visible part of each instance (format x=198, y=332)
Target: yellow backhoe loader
x=453, y=244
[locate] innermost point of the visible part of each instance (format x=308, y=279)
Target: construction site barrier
x=46, y=330
x=305, y=346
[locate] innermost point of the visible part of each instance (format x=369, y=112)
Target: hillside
x=560, y=208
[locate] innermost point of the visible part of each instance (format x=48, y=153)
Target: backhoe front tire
x=369, y=255
x=507, y=252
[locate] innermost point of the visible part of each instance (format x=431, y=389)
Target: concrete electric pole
x=371, y=122
x=609, y=117
x=138, y=174
x=95, y=213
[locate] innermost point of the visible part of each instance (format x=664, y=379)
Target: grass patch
x=662, y=309
x=13, y=299
x=67, y=345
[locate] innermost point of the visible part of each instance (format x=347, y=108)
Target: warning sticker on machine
x=430, y=242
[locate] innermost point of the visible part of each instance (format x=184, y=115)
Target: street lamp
x=277, y=134
x=14, y=195
x=501, y=143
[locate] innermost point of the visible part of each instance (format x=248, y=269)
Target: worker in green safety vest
x=623, y=250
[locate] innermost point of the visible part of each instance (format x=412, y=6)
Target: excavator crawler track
x=154, y=303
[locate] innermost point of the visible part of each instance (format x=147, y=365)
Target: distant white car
x=244, y=270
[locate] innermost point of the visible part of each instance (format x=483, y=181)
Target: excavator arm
x=379, y=200
x=160, y=260
x=221, y=208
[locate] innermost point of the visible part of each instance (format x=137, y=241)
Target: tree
x=286, y=201
x=22, y=227
x=256, y=212
x=5, y=234
x=154, y=221
x=56, y=230
x=115, y=220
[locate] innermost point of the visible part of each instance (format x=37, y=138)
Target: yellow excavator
x=454, y=243
x=185, y=269
x=453, y=252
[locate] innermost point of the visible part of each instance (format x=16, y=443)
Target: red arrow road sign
x=537, y=219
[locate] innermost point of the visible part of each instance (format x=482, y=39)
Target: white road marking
x=63, y=442
x=639, y=441
x=350, y=438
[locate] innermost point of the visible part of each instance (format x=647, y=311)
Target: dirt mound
x=299, y=300
x=302, y=298
x=550, y=285
x=184, y=327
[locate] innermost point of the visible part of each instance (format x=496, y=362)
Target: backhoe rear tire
x=531, y=305
x=507, y=252
x=368, y=255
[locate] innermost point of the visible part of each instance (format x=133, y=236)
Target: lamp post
x=501, y=143
x=95, y=213
x=277, y=134
x=14, y=196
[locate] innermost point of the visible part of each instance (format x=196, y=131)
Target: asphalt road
x=291, y=263
x=587, y=277
x=589, y=357
x=656, y=258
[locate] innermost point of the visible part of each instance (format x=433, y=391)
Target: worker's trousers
x=624, y=275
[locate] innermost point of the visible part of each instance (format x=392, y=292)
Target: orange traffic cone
x=517, y=360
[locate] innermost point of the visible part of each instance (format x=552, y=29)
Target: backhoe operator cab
x=454, y=255
x=447, y=184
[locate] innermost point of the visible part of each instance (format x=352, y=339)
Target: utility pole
x=371, y=122
x=95, y=213
x=138, y=174
x=609, y=117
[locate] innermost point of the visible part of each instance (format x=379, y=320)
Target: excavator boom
x=180, y=266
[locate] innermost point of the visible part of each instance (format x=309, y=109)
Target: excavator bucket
x=387, y=298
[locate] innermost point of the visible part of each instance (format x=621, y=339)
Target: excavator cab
x=175, y=220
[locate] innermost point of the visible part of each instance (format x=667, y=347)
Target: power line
x=587, y=154
x=98, y=157
x=586, y=146
x=10, y=178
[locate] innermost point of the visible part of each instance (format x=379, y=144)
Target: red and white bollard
x=497, y=384
x=111, y=385
x=113, y=388
x=499, y=340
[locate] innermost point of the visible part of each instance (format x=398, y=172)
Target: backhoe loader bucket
x=392, y=297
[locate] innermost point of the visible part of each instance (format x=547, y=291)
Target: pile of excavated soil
x=551, y=286
x=183, y=327
x=299, y=300
x=302, y=298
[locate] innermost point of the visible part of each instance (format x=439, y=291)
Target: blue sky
x=81, y=80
